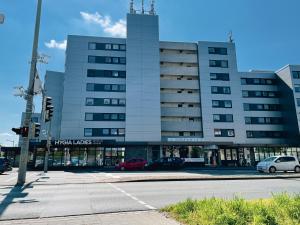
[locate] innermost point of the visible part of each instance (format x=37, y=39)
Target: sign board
x=76, y=142
x=185, y=139
x=2, y=17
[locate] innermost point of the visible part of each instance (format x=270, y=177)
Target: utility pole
x=29, y=98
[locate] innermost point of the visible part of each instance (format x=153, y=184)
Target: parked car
x=133, y=164
x=279, y=163
x=167, y=163
x=5, y=165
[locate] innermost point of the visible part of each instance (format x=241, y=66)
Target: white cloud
x=58, y=45
x=116, y=29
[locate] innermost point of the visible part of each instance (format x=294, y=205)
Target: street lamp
x=2, y=18
x=12, y=141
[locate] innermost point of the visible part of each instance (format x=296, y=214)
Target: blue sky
x=266, y=33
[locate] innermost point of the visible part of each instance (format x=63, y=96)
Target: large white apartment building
x=142, y=97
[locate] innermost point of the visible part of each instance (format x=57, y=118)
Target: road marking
x=132, y=197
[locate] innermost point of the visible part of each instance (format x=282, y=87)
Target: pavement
x=92, y=176
x=93, y=197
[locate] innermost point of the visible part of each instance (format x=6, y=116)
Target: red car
x=133, y=164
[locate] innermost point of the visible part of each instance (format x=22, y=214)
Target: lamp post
x=29, y=99
x=12, y=141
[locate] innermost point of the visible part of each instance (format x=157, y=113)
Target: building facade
x=142, y=97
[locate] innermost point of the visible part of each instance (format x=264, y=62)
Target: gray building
x=142, y=97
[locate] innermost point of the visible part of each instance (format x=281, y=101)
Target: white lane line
x=132, y=197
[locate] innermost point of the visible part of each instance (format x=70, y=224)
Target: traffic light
x=48, y=108
x=25, y=131
x=21, y=131
x=36, y=129
x=18, y=131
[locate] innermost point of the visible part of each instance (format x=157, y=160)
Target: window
x=257, y=81
x=115, y=47
x=122, y=60
x=106, y=101
x=122, y=87
x=89, y=116
x=105, y=132
x=123, y=47
x=92, y=46
x=218, y=63
x=260, y=94
x=114, y=132
x=114, y=116
x=227, y=104
x=115, y=73
x=121, y=132
x=296, y=74
x=180, y=105
x=297, y=87
x=115, y=60
x=106, y=116
x=107, y=59
x=219, y=76
x=88, y=132
x=230, y=133
x=223, y=118
x=114, y=101
x=190, y=105
x=107, y=87
x=122, y=117
x=107, y=46
x=265, y=134
x=105, y=73
x=218, y=133
x=224, y=133
x=89, y=101
x=221, y=104
x=114, y=87
x=122, y=101
x=217, y=118
x=90, y=87
x=220, y=90
x=298, y=101
x=217, y=51
x=181, y=134
x=92, y=59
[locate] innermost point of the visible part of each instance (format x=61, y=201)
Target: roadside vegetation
x=281, y=209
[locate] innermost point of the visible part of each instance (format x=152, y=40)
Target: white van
x=279, y=163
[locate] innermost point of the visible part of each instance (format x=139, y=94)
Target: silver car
x=279, y=163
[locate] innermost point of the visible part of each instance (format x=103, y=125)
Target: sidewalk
x=128, y=218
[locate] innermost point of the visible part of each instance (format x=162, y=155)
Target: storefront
x=69, y=154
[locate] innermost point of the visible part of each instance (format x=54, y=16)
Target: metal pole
x=29, y=98
x=47, y=148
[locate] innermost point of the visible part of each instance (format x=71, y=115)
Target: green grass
x=281, y=209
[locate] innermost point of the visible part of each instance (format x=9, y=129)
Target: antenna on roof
x=143, y=9
x=230, y=37
x=131, y=7
x=152, y=11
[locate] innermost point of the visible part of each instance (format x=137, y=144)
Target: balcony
x=181, y=126
x=184, y=112
x=184, y=98
x=180, y=84
x=179, y=70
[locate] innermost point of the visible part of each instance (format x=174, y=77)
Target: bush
x=281, y=209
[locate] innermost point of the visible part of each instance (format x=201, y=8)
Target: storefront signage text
x=77, y=142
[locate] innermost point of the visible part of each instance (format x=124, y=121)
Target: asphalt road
x=42, y=199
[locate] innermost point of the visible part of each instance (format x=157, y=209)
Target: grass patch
x=281, y=209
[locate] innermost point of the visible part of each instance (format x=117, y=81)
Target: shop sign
x=77, y=142
x=194, y=160
x=185, y=139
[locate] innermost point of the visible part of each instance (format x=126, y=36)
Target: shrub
x=281, y=209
